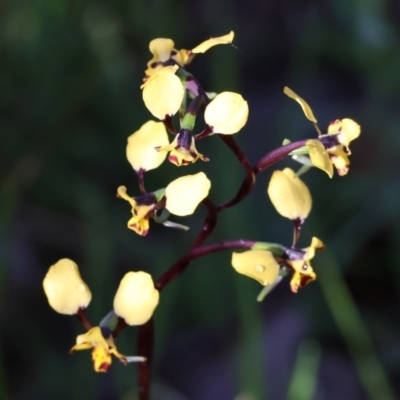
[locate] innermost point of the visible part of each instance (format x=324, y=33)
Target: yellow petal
x=316, y=245
x=203, y=47
x=163, y=92
x=319, y=156
x=350, y=131
x=136, y=298
x=257, y=264
x=65, y=289
x=289, y=195
x=140, y=150
x=161, y=49
x=227, y=113
x=304, y=105
x=185, y=193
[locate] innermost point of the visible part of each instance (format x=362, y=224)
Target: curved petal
x=350, y=131
x=136, y=298
x=257, y=264
x=227, y=113
x=203, y=47
x=65, y=289
x=161, y=49
x=304, y=105
x=185, y=193
x=140, y=150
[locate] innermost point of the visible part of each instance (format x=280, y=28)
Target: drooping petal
x=257, y=264
x=65, y=289
x=319, y=156
x=203, y=47
x=185, y=193
x=163, y=92
x=136, y=298
x=289, y=195
x=304, y=105
x=140, y=149
x=227, y=113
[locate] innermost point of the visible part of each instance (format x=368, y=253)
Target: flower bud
x=227, y=113
x=140, y=150
x=289, y=195
x=185, y=193
x=136, y=298
x=65, y=289
x=257, y=264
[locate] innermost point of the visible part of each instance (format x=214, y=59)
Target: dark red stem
x=145, y=349
x=140, y=175
x=269, y=159
x=197, y=252
x=209, y=223
x=81, y=314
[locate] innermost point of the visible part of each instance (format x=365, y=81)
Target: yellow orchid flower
x=227, y=113
x=136, y=298
x=164, y=52
x=140, y=150
x=257, y=264
x=143, y=208
x=101, y=340
x=303, y=273
x=135, y=302
x=289, y=195
x=65, y=290
x=182, y=150
x=334, y=150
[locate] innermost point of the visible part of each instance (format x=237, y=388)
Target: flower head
x=227, y=113
x=136, y=298
x=257, y=264
x=289, y=195
x=335, y=144
x=182, y=150
x=140, y=149
x=65, y=289
x=299, y=261
x=143, y=208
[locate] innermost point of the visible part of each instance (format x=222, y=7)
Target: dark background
x=70, y=73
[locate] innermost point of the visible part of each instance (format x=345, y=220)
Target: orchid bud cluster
x=177, y=100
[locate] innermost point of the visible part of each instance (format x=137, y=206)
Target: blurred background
x=70, y=73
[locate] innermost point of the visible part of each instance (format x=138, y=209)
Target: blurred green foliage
x=70, y=73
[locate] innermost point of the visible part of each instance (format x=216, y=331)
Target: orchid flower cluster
x=174, y=96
